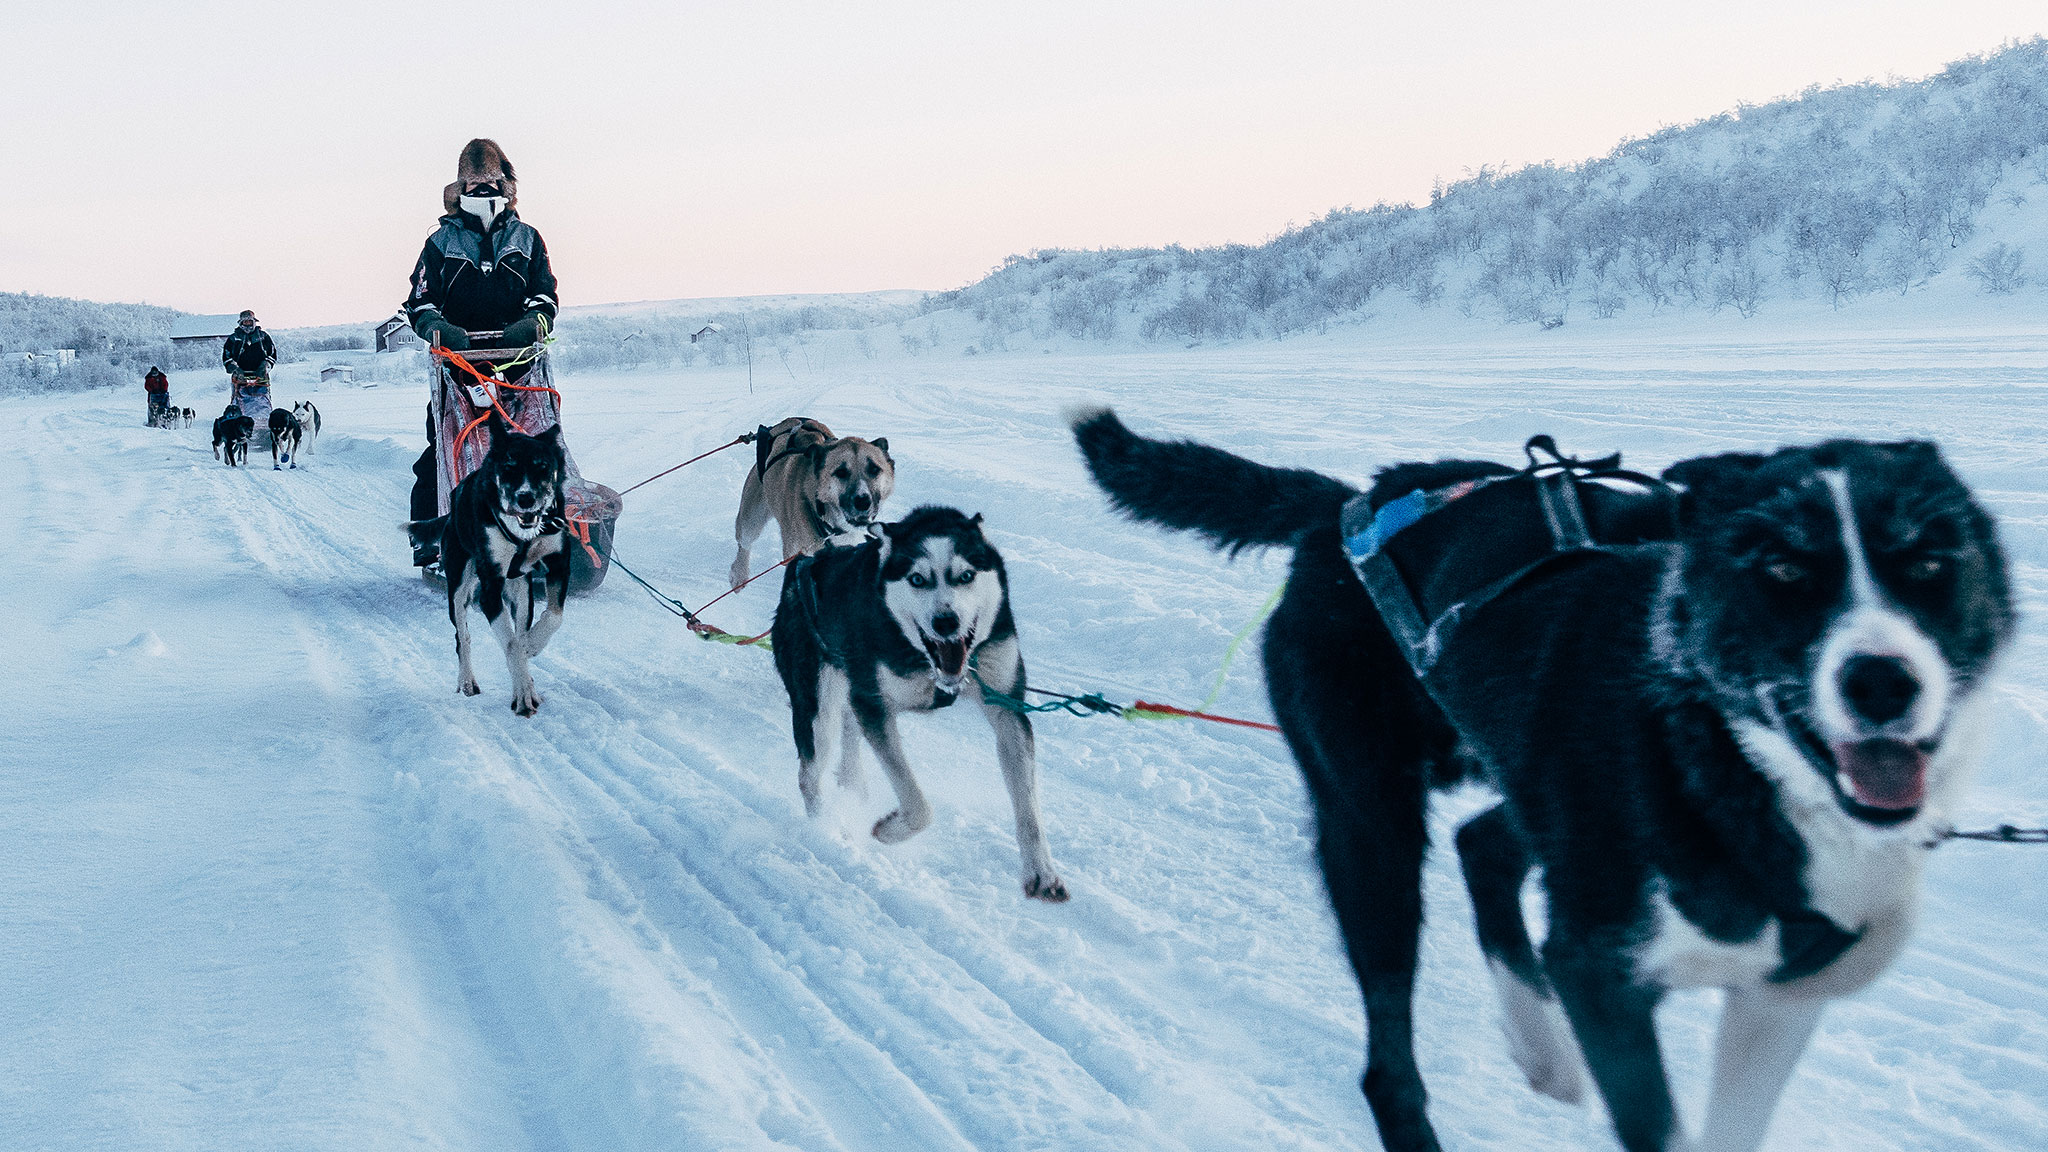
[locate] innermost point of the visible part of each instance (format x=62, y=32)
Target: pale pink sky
x=215, y=156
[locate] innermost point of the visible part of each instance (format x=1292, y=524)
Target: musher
x=158, y=386
x=483, y=269
x=248, y=352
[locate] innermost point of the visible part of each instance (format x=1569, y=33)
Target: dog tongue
x=1889, y=774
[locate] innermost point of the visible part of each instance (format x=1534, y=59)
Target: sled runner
x=519, y=383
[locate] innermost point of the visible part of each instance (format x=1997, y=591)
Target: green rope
x=1090, y=705
x=1236, y=642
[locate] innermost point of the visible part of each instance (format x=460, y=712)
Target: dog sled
x=519, y=384
x=251, y=393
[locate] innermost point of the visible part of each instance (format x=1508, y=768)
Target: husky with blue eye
x=909, y=621
x=1724, y=728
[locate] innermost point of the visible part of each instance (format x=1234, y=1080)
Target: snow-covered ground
x=268, y=882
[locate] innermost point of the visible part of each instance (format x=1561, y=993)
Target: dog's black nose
x=1879, y=689
x=524, y=500
x=945, y=623
x=861, y=501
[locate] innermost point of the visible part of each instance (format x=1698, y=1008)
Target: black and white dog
x=1727, y=752
x=907, y=622
x=284, y=438
x=504, y=522
x=309, y=424
x=231, y=432
x=188, y=414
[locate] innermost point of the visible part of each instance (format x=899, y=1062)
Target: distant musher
x=158, y=386
x=248, y=351
x=483, y=269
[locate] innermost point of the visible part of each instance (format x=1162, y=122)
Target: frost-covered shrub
x=1997, y=271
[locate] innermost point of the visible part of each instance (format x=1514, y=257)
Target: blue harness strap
x=1366, y=532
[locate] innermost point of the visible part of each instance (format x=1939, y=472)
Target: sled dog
x=1727, y=749
x=309, y=425
x=188, y=414
x=813, y=484
x=284, y=438
x=907, y=622
x=231, y=432
x=505, y=521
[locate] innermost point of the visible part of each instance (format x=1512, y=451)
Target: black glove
x=531, y=328
x=433, y=329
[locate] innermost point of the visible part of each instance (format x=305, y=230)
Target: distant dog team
x=291, y=433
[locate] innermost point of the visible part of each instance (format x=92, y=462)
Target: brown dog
x=814, y=484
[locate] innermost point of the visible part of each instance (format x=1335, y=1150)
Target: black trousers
x=426, y=502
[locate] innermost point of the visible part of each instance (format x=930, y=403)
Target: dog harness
x=1807, y=940
x=1423, y=632
x=764, y=442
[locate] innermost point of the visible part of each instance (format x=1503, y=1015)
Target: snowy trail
x=276, y=884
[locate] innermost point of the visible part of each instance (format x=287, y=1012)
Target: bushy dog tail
x=1233, y=501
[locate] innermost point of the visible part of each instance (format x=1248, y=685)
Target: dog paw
x=526, y=705
x=1047, y=887
x=467, y=687
x=896, y=827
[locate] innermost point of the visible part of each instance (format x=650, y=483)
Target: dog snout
x=946, y=624
x=525, y=500
x=1878, y=689
x=862, y=501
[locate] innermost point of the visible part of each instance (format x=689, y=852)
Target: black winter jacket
x=482, y=282
x=248, y=349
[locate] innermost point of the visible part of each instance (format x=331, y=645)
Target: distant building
x=395, y=334
x=192, y=331
x=337, y=374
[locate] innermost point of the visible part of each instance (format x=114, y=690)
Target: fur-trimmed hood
x=481, y=159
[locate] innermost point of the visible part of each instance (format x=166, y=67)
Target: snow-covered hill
x=270, y=883
x=1835, y=195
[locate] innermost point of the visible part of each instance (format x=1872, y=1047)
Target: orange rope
x=446, y=356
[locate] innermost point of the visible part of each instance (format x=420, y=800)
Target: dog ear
x=1713, y=483
x=881, y=443
x=496, y=426
x=554, y=434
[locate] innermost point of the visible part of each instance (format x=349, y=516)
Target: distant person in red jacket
x=158, y=386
